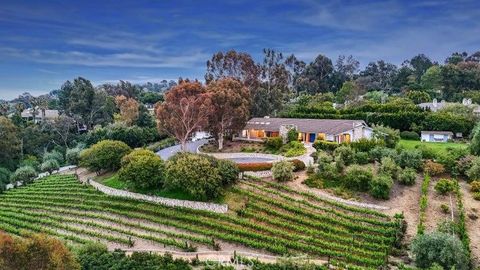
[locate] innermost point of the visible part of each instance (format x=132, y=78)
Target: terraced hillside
x=267, y=218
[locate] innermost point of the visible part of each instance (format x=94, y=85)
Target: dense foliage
x=441, y=248
x=95, y=256
x=282, y=171
x=35, y=251
x=142, y=169
x=104, y=155
x=24, y=174
x=195, y=175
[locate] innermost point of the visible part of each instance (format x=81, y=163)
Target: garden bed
x=291, y=149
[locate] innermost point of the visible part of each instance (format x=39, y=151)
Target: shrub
x=475, y=186
x=282, y=171
x=344, y=153
x=433, y=168
x=53, y=155
x=292, y=135
x=72, y=155
x=365, y=145
x=95, y=256
x=474, y=172
x=50, y=166
x=31, y=161
x=448, y=161
x=254, y=166
x=464, y=164
x=104, y=155
x=4, y=178
x=410, y=158
x=389, y=167
x=361, y=158
x=427, y=151
x=323, y=158
x=445, y=208
x=157, y=146
x=293, y=149
x=310, y=169
x=228, y=171
x=409, y=135
x=389, y=135
x=358, y=178
x=298, y=165
x=195, y=175
x=35, y=251
x=444, y=186
x=142, y=171
x=133, y=136
x=274, y=143
x=24, y=174
x=325, y=145
x=475, y=142
x=328, y=171
x=135, y=154
x=407, y=176
x=442, y=248
x=380, y=152
x=380, y=186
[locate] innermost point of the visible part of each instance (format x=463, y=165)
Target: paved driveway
x=172, y=150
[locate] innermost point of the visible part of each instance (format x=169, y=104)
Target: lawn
x=439, y=148
x=111, y=180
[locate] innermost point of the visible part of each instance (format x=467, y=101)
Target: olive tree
x=104, y=155
x=442, y=248
x=143, y=171
x=50, y=166
x=24, y=174
x=282, y=171
x=194, y=175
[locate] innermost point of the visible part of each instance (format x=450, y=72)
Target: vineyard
x=269, y=218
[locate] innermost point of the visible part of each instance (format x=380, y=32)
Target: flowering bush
x=433, y=168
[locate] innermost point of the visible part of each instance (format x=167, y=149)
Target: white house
x=436, y=136
x=309, y=130
x=40, y=115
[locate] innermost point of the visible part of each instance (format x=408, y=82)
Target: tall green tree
x=273, y=91
x=316, y=76
x=230, y=102
x=9, y=143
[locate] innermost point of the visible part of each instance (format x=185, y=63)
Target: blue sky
x=44, y=43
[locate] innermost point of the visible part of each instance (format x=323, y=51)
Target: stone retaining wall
x=273, y=158
x=259, y=174
x=213, y=207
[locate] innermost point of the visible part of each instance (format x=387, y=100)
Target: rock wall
x=212, y=207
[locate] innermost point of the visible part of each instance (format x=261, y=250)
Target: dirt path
x=472, y=211
x=406, y=200
x=434, y=212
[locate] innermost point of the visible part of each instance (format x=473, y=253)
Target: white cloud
x=122, y=59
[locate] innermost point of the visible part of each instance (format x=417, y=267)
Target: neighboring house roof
x=49, y=114
x=435, y=106
x=438, y=132
x=327, y=126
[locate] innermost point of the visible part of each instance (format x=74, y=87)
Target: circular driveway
x=168, y=152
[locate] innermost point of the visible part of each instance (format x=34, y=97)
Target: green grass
x=112, y=180
x=438, y=148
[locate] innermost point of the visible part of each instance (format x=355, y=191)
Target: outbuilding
x=436, y=136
